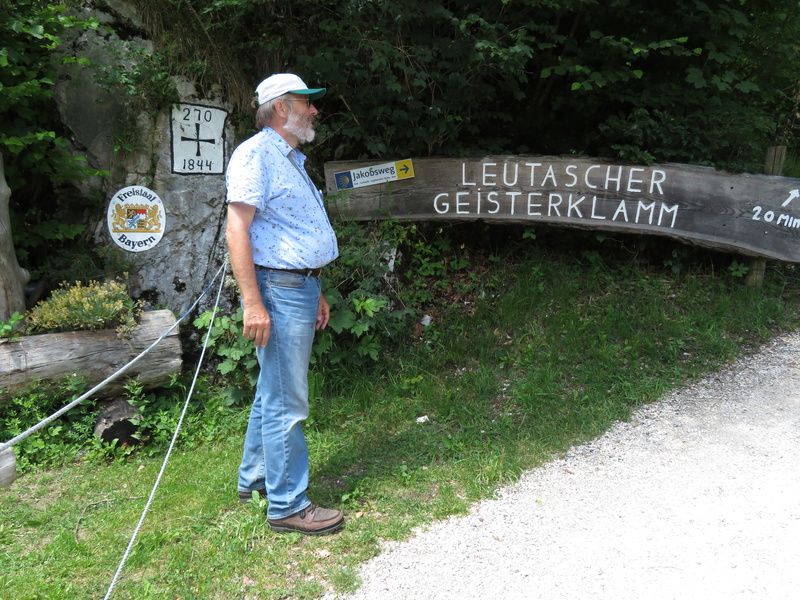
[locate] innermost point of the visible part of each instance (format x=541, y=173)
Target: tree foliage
x=32, y=138
x=711, y=82
x=30, y=135
x=703, y=82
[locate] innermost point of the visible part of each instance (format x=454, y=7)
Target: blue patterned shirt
x=290, y=228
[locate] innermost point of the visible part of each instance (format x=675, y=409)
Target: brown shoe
x=309, y=521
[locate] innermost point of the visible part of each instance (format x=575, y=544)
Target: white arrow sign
x=792, y=195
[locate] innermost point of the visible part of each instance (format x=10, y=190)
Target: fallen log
x=94, y=355
x=116, y=421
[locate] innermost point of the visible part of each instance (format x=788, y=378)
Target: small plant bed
x=88, y=331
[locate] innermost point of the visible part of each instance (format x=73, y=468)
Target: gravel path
x=697, y=497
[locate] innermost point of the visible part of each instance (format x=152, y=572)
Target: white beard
x=302, y=130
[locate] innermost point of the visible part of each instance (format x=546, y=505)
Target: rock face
x=175, y=272
x=137, y=146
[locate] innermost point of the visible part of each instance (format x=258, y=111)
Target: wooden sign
x=757, y=215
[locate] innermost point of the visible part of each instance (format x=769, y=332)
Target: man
x=279, y=238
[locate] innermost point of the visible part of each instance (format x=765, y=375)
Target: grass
x=549, y=350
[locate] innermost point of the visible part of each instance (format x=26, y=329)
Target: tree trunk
x=12, y=277
x=94, y=355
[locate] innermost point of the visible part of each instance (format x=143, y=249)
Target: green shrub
x=387, y=275
x=80, y=307
x=60, y=441
x=367, y=315
x=71, y=438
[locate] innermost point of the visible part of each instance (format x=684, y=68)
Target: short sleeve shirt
x=290, y=228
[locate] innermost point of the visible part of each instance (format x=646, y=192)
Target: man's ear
x=282, y=109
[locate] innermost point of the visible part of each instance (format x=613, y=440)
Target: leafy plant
x=156, y=417
x=238, y=363
x=737, y=269
x=141, y=75
x=10, y=329
x=61, y=440
x=86, y=307
x=31, y=33
x=368, y=313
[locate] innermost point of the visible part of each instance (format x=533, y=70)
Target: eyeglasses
x=306, y=100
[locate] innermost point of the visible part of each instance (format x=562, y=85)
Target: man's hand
x=256, y=325
x=324, y=313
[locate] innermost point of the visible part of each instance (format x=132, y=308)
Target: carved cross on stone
x=197, y=139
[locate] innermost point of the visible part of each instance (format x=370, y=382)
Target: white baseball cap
x=284, y=83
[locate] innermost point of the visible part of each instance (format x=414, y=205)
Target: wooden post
x=8, y=467
x=773, y=165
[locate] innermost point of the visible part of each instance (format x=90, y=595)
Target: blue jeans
x=275, y=453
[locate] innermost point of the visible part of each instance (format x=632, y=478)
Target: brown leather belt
x=307, y=272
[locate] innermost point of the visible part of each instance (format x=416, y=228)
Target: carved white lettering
x=673, y=210
x=464, y=175
x=610, y=179
x=551, y=176
x=594, y=210
x=495, y=188
x=492, y=197
x=553, y=204
x=488, y=176
x=621, y=210
x=641, y=206
x=570, y=170
x=586, y=176
x=631, y=179
x=513, y=182
x=574, y=206
x=656, y=179
x=444, y=206
x=532, y=205
x=460, y=204
x=533, y=172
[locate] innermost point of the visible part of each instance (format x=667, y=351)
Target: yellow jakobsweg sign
x=375, y=174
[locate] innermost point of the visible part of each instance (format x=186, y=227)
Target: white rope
x=110, y=378
x=169, y=450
